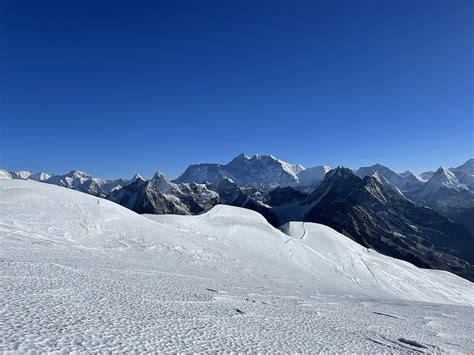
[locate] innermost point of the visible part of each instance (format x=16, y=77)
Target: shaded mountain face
x=262, y=171
x=377, y=215
x=283, y=195
x=162, y=196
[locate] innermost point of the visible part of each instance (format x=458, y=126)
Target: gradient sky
x=118, y=87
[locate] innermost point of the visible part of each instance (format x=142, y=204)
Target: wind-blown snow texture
x=82, y=273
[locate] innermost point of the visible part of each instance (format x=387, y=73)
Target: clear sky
x=118, y=87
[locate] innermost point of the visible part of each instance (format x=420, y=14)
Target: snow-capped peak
x=162, y=184
x=263, y=171
x=22, y=174
x=444, y=177
x=312, y=176
x=137, y=177
x=77, y=174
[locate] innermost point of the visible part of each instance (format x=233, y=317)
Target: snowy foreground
x=82, y=273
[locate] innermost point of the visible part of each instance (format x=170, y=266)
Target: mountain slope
x=444, y=191
x=377, y=215
x=312, y=176
x=85, y=274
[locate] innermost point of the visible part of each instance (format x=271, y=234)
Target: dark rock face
x=283, y=195
x=375, y=214
x=463, y=217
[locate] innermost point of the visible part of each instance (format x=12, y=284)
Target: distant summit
x=264, y=171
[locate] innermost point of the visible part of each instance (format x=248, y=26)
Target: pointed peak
x=159, y=176
x=340, y=173
x=240, y=157
x=342, y=170
x=442, y=170
x=444, y=174
x=137, y=177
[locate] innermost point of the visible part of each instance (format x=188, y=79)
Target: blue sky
x=118, y=87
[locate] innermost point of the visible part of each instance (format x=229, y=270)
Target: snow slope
x=80, y=273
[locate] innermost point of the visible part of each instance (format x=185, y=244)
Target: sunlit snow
x=81, y=273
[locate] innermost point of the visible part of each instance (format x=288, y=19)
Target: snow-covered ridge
x=93, y=221
x=85, y=274
x=75, y=179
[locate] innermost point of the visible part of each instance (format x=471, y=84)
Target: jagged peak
x=240, y=157
x=159, y=176
x=161, y=183
x=77, y=174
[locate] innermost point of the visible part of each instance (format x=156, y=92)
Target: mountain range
x=425, y=219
